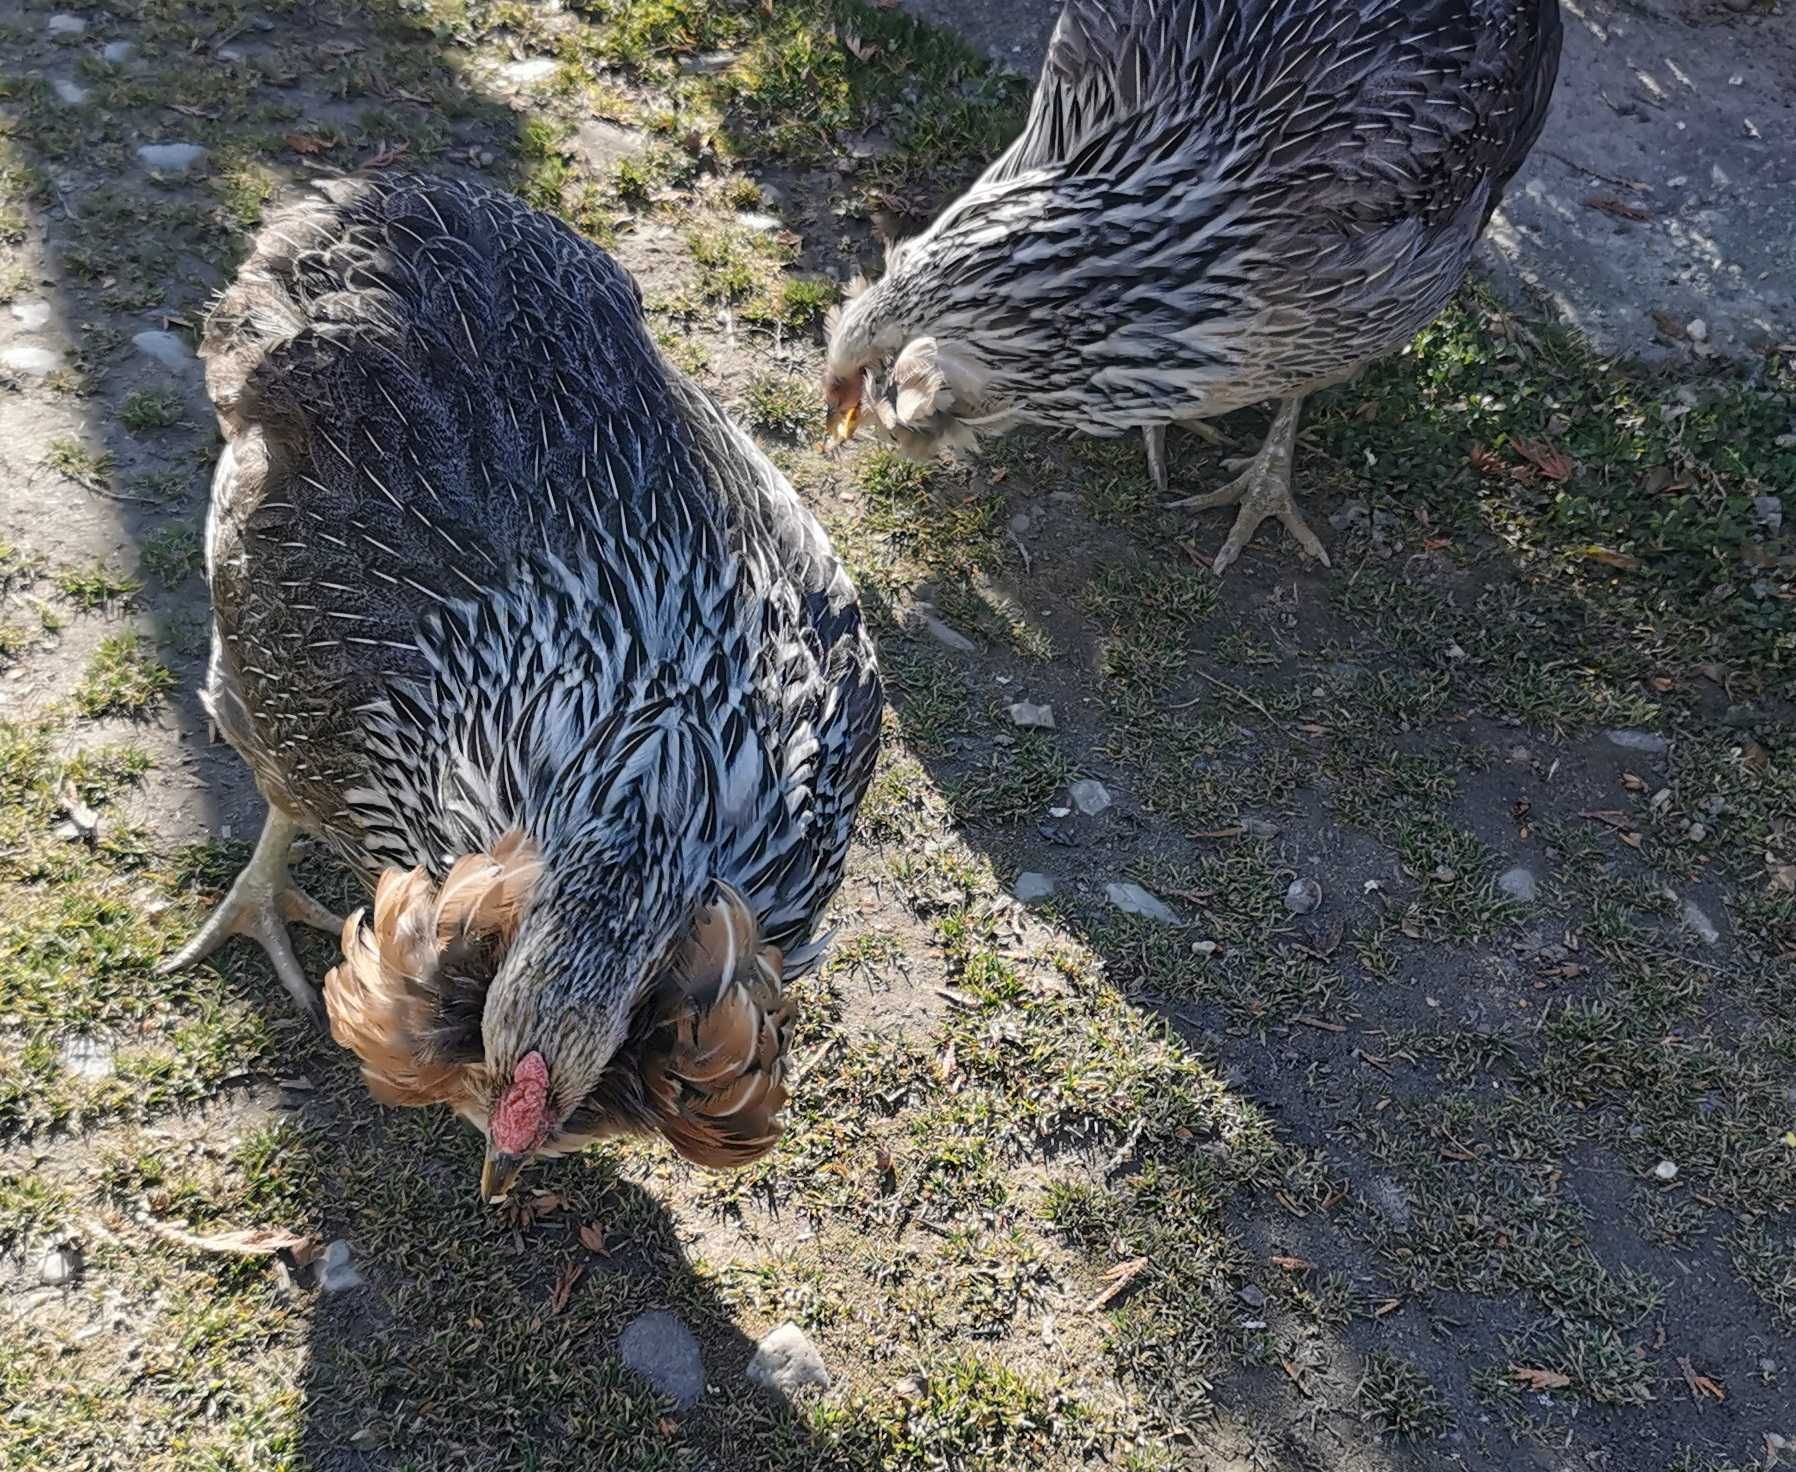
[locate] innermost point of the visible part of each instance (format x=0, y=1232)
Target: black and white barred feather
x=480, y=559
x=1217, y=202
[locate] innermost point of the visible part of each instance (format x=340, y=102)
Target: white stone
x=1519, y=883
x=529, y=72
x=336, y=1272
x=602, y=145
x=172, y=158
x=946, y=634
x=70, y=94
x=761, y=224
x=1697, y=919
x=1132, y=899
x=1666, y=1170
x=1089, y=796
x=786, y=1361
x=1649, y=742
x=61, y=1266
x=117, y=53
x=63, y=24
x=167, y=348
x=31, y=316
x=1031, y=886
x=1033, y=717
x=88, y=1058
x=35, y=361
x=1304, y=896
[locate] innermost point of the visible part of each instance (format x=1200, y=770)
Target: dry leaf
x=1553, y=464
x=545, y=1203
x=1783, y=878
x=1620, y=208
x=1633, y=782
x=592, y=1237
x=862, y=50
x=251, y=1242
x=1700, y=1385
x=1609, y=557
x=945, y=1064
x=1291, y=1264
x=570, y=1274
x=1537, y=1379
x=307, y=143
x=882, y=1160
x=386, y=154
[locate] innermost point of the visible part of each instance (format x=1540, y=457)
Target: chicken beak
x=497, y=1174
x=842, y=426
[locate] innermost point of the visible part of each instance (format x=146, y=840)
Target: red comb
x=517, y=1123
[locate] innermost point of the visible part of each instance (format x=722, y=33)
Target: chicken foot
x=1262, y=490
x=261, y=901
x=1154, y=436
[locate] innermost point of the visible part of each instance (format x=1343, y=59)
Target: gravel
x=1089, y=796
x=1031, y=886
x=1132, y=899
x=1032, y=717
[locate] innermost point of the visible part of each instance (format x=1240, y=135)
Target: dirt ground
x=1440, y=1112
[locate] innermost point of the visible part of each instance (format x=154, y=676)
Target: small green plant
x=782, y=406
x=96, y=587
x=173, y=553
x=148, y=409
x=124, y=678
x=86, y=467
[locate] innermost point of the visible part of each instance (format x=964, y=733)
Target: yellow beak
x=497, y=1174
x=842, y=426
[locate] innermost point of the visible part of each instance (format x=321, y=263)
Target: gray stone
x=66, y=25
x=167, y=348
x=1089, y=797
x=661, y=1349
x=232, y=54
x=1031, y=886
x=1033, y=717
x=60, y=1267
x=1304, y=896
x=1519, y=883
x=171, y=158
x=1390, y=1199
x=336, y=1273
x=1698, y=920
x=88, y=1058
x=1666, y=1170
x=787, y=1361
x=707, y=63
x=1253, y=1297
x=31, y=316
x=1769, y=512
x=35, y=361
x=1650, y=743
x=529, y=72
x=603, y=146
x=1021, y=524
x=946, y=634
x=759, y=222
x=1259, y=828
x=117, y=53
x=1132, y=899
x=69, y=94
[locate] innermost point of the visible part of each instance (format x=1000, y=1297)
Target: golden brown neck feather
x=407, y=996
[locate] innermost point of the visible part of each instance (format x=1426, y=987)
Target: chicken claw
x=1262, y=490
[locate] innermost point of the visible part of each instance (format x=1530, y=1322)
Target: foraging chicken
x=514, y=619
x=1213, y=203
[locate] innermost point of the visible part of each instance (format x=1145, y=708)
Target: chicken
x=1213, y=203
x=511, y=617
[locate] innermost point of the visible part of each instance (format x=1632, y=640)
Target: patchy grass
x=123, y=678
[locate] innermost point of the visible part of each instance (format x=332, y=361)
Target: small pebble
x=66, y=25
x=336, y=1273
x=1020, y=523
x=946, y=634
x=1519, y=884
x=1259, y=828
x=528, y=73
x=661, y=1349
x=1768, y=511
x=786, y=1360
x=117, y=53
x=1031, y=886
x=1089, y=796
x=1253, y=1297
x=1032, y=717
x=69, y=94
x=1132, y=899
x=1666, y=1170
x=1648, y=742
x=171, y=158
x=87, y=1058
x=167, y=348
x=1304, y=897
x=1698, y=330
x=1204, y=948
x=61, y=1266
x=1697, y=919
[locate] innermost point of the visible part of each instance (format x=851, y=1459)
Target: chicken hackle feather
x=511, y=616
x=1212, y=203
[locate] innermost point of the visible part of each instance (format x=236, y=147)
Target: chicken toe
x=1262, y=490
x=260, y=902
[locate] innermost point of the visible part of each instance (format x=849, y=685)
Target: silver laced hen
x=514, y=619
x=1213, y=203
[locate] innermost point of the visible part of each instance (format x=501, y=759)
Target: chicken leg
x=261, y=901
x=1154, y=436
x=1262, y=489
